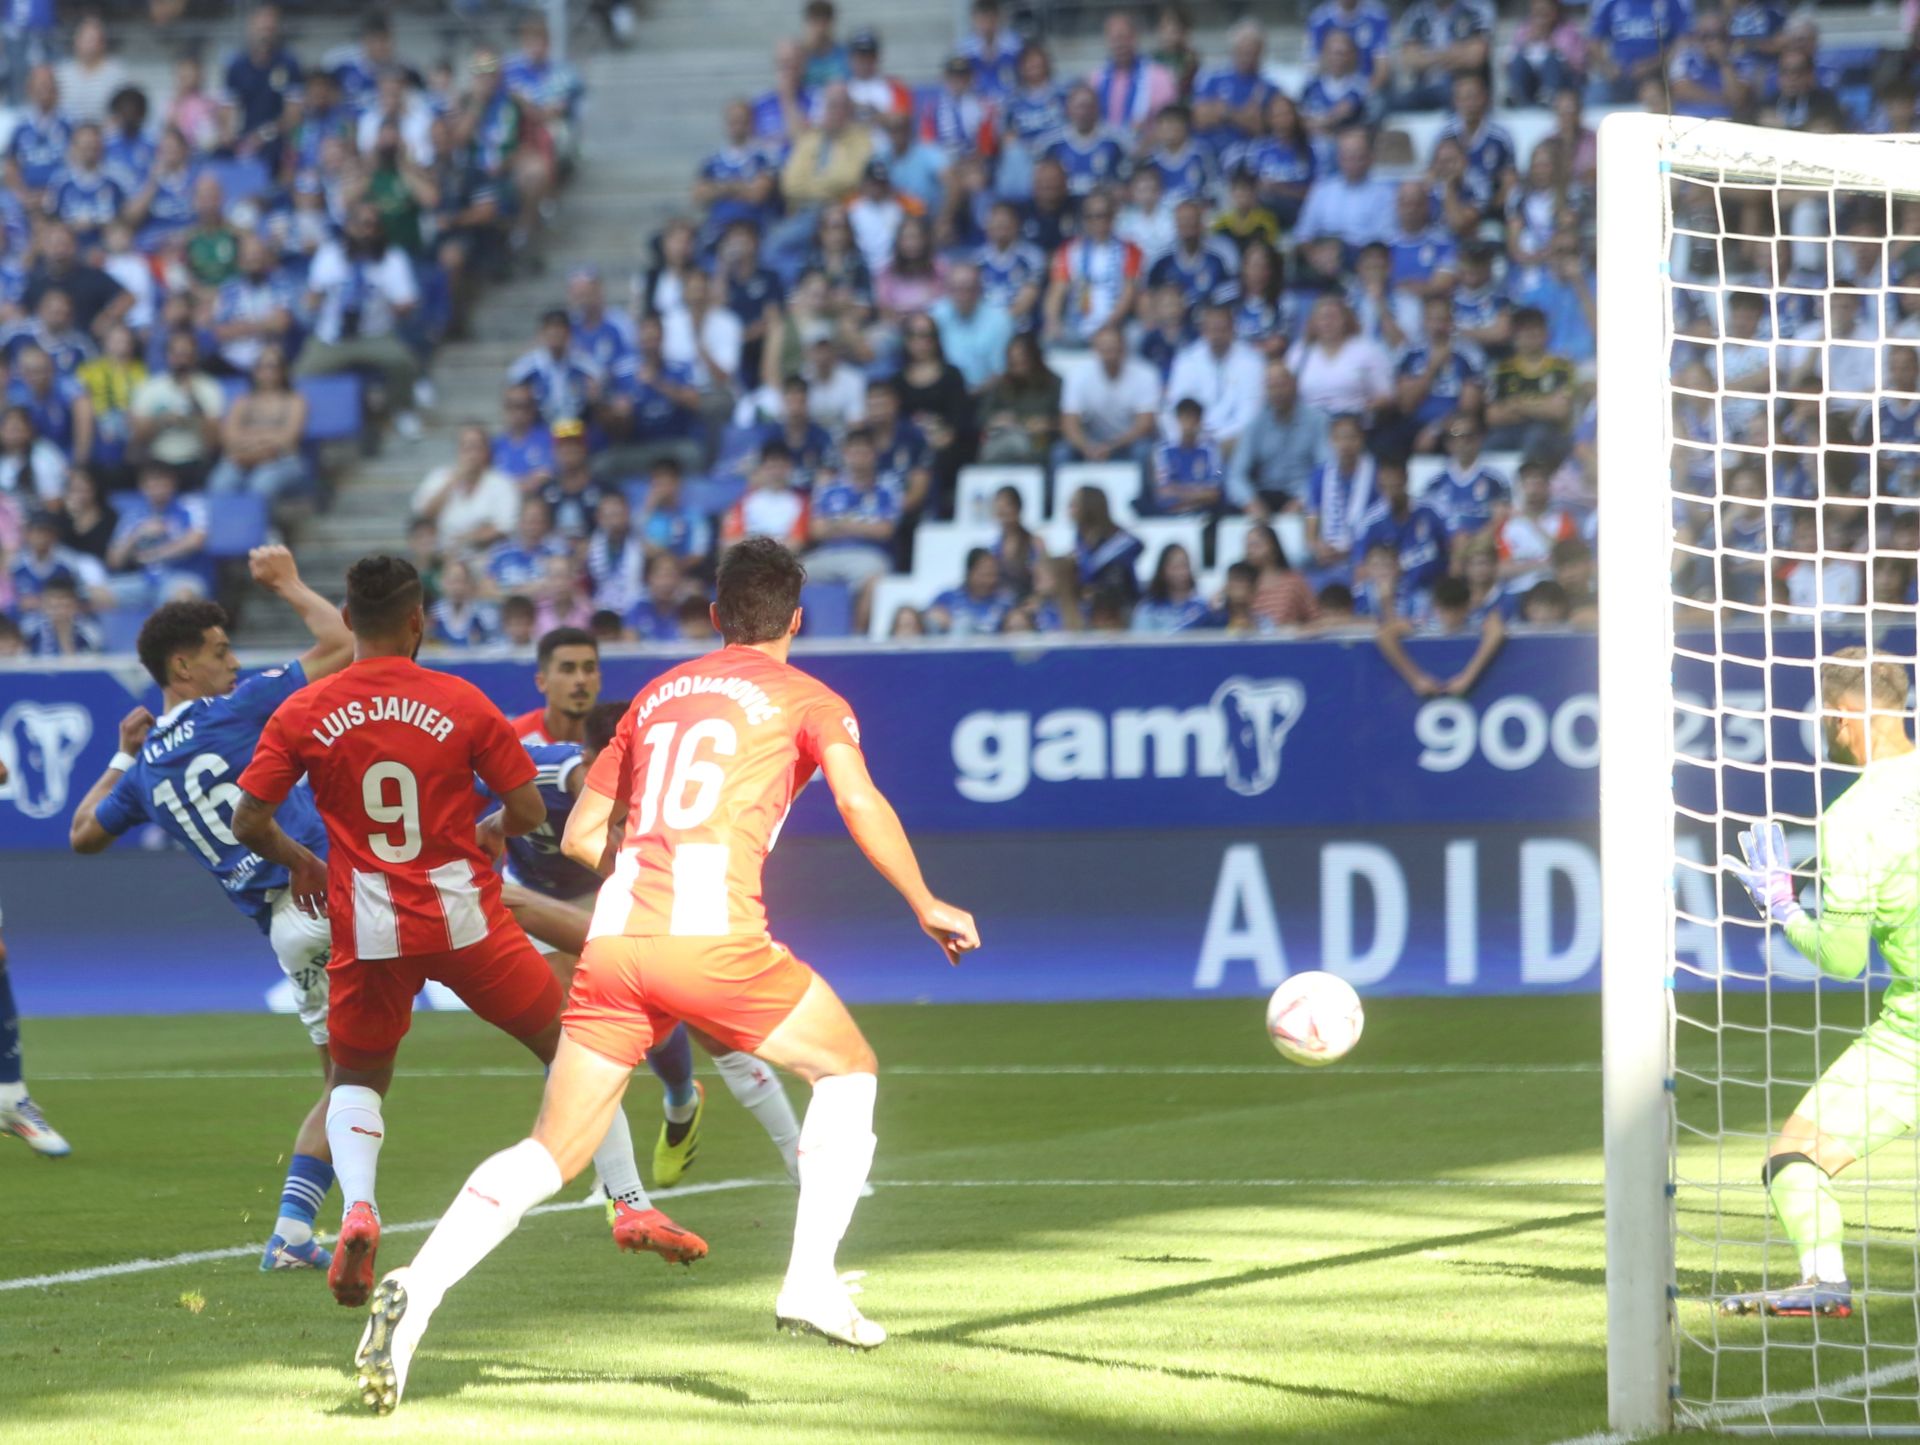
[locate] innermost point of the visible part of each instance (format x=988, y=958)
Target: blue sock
x=672, y=1063
x=308, y=1180
x=9, y=1033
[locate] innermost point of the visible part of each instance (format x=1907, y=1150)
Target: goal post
x=1636, y=736
x=1759, y=501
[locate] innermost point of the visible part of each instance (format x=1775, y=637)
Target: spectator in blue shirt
x=1230, y=101
x=1563, y=292
x=1440, y=39
x=1172, y=601
x=42, y=561
x=1187, y=476
x=82, y=193
x=992, y=49
x=460, y=619
x=809, y=444
x=571, y=493
x=1339, y=95
x=1489, y=148
x=738, y=182
x=1413, y=532
x=161, y=538
x=1437, y=378
x=1199, y=263
x=257, y=82
x=654, y=402
x=655, y=617
x=853, y=523
x=519, y=565
x=603, y=334
x=523, y=448
x=1365, y=23
x=666, y=523
x=823, y=54
x=564, y=379
x=1472, y=497
x=1702, y=78
x=979, y=606
x=973, y=331
x=60, y=628
x=1107, y=556
x=1630, y=39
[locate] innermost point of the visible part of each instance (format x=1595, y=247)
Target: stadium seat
x=1230, y=541
x=120, y=627
x=232, y=388
x=940, y=551
x=240, y=180
x=236, y=524
x=1421, y=470
x=1121, y=481
x=890, y=594
x=973, y=496
x=333, y=408
x=1291, y=529
x=1505, y=463
x=827, y=609
x=710, y=496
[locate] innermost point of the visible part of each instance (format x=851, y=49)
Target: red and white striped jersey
x=708, y=760
x=392, y=749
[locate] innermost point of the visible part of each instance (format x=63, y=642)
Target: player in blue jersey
x=185, y=777
x=552, y=899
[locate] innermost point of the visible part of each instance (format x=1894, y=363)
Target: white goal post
x=1670, y=1359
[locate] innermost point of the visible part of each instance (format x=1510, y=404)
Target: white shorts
x=303, y=945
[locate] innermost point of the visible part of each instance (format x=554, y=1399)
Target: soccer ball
x=1314, y=1018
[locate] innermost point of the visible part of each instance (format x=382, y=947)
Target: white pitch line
x=242, y=1251
x=1731, y=1411
x=912, y=1071
x=416, y=1226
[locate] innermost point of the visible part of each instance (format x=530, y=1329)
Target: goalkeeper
x=1869, y=893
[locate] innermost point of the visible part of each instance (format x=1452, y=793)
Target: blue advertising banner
x=995, y=739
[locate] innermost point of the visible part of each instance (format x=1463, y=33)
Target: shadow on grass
x=963, y=1332
x=1181, y=1372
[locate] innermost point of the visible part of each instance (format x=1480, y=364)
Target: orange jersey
x=708, y=760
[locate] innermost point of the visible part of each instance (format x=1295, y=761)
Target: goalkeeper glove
x=1765, y=874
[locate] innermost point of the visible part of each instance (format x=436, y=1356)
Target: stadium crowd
x=172, y=280
x=1169, y=345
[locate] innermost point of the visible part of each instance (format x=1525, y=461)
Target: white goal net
x=1760, y=493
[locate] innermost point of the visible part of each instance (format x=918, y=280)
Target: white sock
x=619, y=1172
x=680, y=1113
x=758, y=1088
x=355, y=1132
x=1824, y=1262
x=292, y=1231
x=836, y=1151
x=486, y=1210
x=13, y=1093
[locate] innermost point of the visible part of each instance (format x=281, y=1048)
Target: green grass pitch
x=1125, y=1221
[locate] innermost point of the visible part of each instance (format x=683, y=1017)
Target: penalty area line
x=720, y=1186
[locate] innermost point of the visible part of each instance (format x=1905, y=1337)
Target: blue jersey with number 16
x=186, y=780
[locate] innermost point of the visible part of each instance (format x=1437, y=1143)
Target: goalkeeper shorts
x=1870, y=1094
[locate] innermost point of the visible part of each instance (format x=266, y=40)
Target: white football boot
x=827, y=1309
x=21, y=1117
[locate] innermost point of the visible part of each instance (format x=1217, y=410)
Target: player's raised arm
x=875, y=826
x=273, y=568
x=86, y=833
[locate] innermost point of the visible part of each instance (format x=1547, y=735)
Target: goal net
x=1760, y=511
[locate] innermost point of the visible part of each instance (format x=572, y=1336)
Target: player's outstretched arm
x=255, y=826
x=874, y=825
x=86, y=833
x=273, y=568
x=593, y=828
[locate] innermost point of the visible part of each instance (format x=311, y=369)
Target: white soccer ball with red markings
x=1314, y=1018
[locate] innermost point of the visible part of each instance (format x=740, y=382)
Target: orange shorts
x=502, y=978
x=627, y=992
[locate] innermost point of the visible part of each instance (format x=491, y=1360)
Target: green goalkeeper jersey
x=1870, y=886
